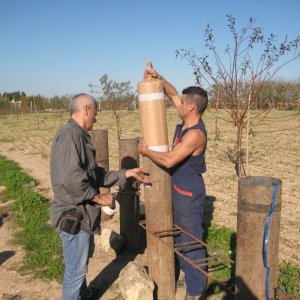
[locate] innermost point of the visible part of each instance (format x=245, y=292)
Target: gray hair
x=77, y=105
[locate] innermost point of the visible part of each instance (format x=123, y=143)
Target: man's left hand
x=139, y=174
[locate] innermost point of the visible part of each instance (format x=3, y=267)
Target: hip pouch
x=71, y=222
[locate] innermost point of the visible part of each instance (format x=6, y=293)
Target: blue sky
x=56, y=47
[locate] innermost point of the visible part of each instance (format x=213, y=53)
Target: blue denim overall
x=188, y=196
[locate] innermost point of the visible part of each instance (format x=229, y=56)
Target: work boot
x=87, y=295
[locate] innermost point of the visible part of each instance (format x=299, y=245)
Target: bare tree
x=215, y=97
x=251, y=61
x=114, y=92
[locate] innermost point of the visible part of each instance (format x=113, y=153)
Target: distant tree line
x=13, y=95
x=19, y=102
x=277, y=94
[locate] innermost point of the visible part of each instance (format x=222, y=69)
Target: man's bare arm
x=193, y=140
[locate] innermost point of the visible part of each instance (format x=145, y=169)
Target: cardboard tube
x=153, y=114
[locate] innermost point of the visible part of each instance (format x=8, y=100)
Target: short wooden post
x=128, y=198
x=100, y=143
x=255, y=195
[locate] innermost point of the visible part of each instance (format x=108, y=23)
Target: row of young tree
x=31, y=104
x=277, y=94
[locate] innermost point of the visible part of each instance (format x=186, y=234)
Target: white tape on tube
x=151, y=97
x=163, y=148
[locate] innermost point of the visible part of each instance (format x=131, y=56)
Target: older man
x=75, y=211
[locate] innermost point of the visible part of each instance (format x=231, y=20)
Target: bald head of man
x=83, y=110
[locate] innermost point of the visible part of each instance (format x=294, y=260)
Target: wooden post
x=158, y=202
x=159, y=216
x=128, y=198
x=100, y=143
x=255, y=195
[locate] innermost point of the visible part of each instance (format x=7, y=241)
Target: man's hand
x=137, y=173
x=169, y=89
x=106, y=199
x=150, y=72
x=142, y=147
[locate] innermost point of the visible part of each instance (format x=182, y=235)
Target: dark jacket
x=76, y=178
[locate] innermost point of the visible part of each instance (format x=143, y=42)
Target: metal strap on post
x=210, y=262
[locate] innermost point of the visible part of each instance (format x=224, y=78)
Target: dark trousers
x=195, y=279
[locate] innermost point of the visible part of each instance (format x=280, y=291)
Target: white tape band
x=151, y=97
x=163, y=148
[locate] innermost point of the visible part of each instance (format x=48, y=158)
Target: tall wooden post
x=100, y=143
x=128, y=198
x=158, y=204
x=255, y=198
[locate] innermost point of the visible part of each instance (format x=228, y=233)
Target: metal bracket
x=210, y=263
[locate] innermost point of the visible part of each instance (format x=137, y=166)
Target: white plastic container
x=111, y=211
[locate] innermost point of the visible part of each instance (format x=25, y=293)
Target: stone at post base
x=135, y=284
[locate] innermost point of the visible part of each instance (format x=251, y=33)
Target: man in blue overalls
x=186, y=162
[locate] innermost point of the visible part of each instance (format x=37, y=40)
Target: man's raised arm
x=168, y=87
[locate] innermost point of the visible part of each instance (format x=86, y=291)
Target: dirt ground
x=275, y=152
x=102, y=271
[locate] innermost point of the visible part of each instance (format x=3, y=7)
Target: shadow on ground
x=5, y=255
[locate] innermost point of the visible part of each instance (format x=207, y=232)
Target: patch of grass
x=39, y=240
x=44, y=154
x=6, y=139
x=13, y=178
x=289, y=278
x=220, y=239
x=232, y=177
x=221, y=243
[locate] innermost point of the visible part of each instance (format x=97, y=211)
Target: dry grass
x=274, y=151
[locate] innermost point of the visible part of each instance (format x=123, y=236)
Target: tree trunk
x=239, y=150
x=247, y=132
x=217, y=116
